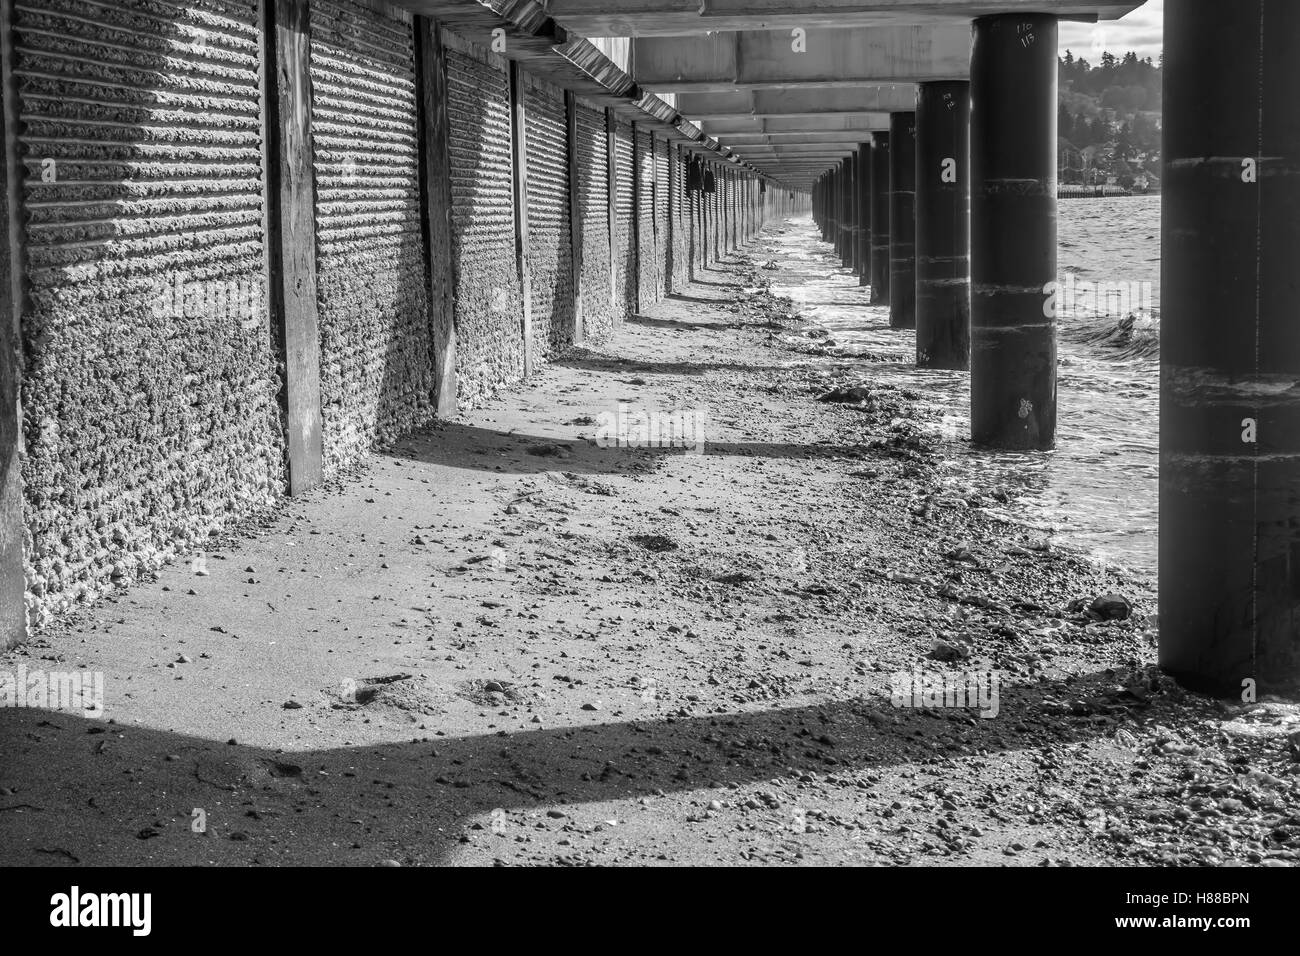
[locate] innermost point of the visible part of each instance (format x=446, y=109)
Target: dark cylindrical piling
x=848, y=209
x=862, y=177
x=836, y=199
x=902, y=221
x=1013, y=231
x=1230, y=349
x=943, y=225
x=880, y=219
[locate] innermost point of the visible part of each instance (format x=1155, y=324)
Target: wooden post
x=435, y=200
x=670, y=251
x=635, y=239
x=519, y=153
x=291, y=233
x=575, y=210
x=13, y=610
x=692, y=229
x=611, y=182
x=654, y=216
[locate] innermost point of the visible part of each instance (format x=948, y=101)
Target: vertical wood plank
x=654, y=217
x=13, y=610
x=291, y=238
x=519, y=155
x=435, y=201
x=611, y=162
x=575, y=210
x=635, y=238
x=670, y=256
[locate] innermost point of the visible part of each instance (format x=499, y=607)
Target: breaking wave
x=1134, y=336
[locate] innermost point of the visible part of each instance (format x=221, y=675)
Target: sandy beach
x=512, y=641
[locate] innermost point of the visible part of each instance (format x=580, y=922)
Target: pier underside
x=425, y=396
x=611, y=655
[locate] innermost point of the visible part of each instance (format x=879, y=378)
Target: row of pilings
x=950, y=217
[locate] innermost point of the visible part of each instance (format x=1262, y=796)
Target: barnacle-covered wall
x=150, y=409
x=663, y=247
x=593, y=194
x=732, y=209
x=716, y=248
x=647, y=256
x=376, y=370
x=625, y=265
x=681, y=220
x=550, y=259
x=152, y=376
x=489, y=299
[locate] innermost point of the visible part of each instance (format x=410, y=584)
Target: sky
x=1141, y=31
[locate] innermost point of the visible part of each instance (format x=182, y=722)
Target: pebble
x=1112, y=607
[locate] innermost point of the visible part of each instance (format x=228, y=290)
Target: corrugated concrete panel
x=489, y=301
x=150, y=395
x=625, y=264
x=376, y=366
x=647, y=255
x=681, y=228
x=663, y=244
x=593, y=171
x=550, y=254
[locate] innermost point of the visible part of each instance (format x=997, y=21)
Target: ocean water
x=1098, y=489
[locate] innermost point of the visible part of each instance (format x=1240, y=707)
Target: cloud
x=1141, y=31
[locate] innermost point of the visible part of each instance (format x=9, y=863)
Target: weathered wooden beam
x=436, y=203
x=291, y=234
x=797, y=102
x=738, y=141
x=841, y=57
x=13, y=610
x=519, y=170
x=859, y=123
x=797, y=151
x=575, y=210
x=639, y=18
x=670, y=254
x=634, y=240
x=654, y=205
x=611, y=194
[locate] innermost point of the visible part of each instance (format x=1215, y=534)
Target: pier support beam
x=831, y=225
x=880, y=220
x=862, y=198
x=1013, y=231
x=291, y=241
x=13, y=609
x=943, y=225
x=848, y=234
x=1230, y=350
x=435, y=132
x=902, y=221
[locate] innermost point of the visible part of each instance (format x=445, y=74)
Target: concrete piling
x=1013, y=231
x=943, y=225
x=1230, y=350
x=880, y=220
x=902, y=221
